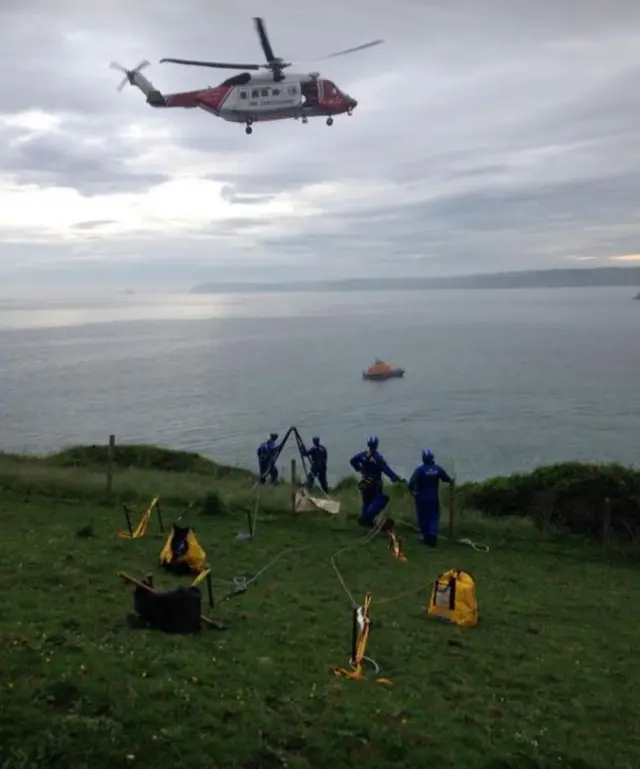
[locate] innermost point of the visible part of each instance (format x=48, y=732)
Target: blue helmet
x=315, y=440
x=372, y=442
x=427, y=456
x=273, y=436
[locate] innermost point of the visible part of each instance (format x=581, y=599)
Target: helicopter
x=252, y=98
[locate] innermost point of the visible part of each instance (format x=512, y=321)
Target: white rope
x=254, y=518
x=242, y=582
x=479, y=547
x=360, y=541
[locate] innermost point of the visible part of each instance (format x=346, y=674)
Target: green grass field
x=547, y=679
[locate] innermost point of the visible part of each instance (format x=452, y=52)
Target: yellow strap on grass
x=201, y=577
x=396, y=547
x=141, y=528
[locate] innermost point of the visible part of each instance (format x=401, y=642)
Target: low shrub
x=573, y=495
x=144, y=457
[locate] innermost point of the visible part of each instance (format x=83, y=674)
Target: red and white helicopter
x=251, y=98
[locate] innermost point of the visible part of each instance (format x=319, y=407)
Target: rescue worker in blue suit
x=372, y=466
x=318, y=458
x=424, y=484
x=267, y=456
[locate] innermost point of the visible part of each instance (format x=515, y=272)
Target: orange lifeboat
x=382, y=370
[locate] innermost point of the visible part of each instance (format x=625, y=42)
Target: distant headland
x=562, y=278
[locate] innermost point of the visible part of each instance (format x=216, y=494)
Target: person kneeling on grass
x=424, y=484
x=372, y=466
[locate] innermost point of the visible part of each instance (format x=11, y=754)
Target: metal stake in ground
x=251, y=521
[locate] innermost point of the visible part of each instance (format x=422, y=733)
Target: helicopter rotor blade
x=116, y=65
x=264, y=39
x=349, y=50
x=214, y=64
x=274, y=63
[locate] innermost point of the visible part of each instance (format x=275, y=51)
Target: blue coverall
x=318, y=457
x=424, y=485
x=372, y=466
x=267, y=457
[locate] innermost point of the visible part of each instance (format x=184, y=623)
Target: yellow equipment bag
x=453, y=599
x=182, y=553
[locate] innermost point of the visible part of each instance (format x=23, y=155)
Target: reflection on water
x=56, y=313
x=500, y=380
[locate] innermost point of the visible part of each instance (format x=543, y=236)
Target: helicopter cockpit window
x=330, y=88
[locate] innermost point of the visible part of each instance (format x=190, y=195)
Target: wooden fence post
x=293, y=485
x=606, y=522
x=452, y=510
x=110, y=457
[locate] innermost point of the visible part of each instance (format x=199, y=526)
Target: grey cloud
x=479, y=89
x=233, y=225
x=608, y=200
x=490, y=169
x=455, y=232
x=566, y=206
x=56, y=159
x=231, y=196
x=280, y=179
x=608, y=110
x=94, y=224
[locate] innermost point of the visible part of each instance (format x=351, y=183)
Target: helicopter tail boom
x=135, y=78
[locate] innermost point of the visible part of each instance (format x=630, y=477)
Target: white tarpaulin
x=304, y=502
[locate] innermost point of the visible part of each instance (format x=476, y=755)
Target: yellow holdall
x=453, y=599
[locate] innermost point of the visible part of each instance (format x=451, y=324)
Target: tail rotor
x=129, y=74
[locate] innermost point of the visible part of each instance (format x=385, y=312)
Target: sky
x=489, y=135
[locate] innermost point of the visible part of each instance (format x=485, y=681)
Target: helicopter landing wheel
x=329, y=121
x=248, y=130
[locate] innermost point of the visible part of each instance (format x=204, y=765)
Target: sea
x=497, y=381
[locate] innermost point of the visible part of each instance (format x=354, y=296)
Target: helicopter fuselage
x=252, y=98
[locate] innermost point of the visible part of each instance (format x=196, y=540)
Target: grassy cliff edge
x=533, y=686
x=583, y=498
